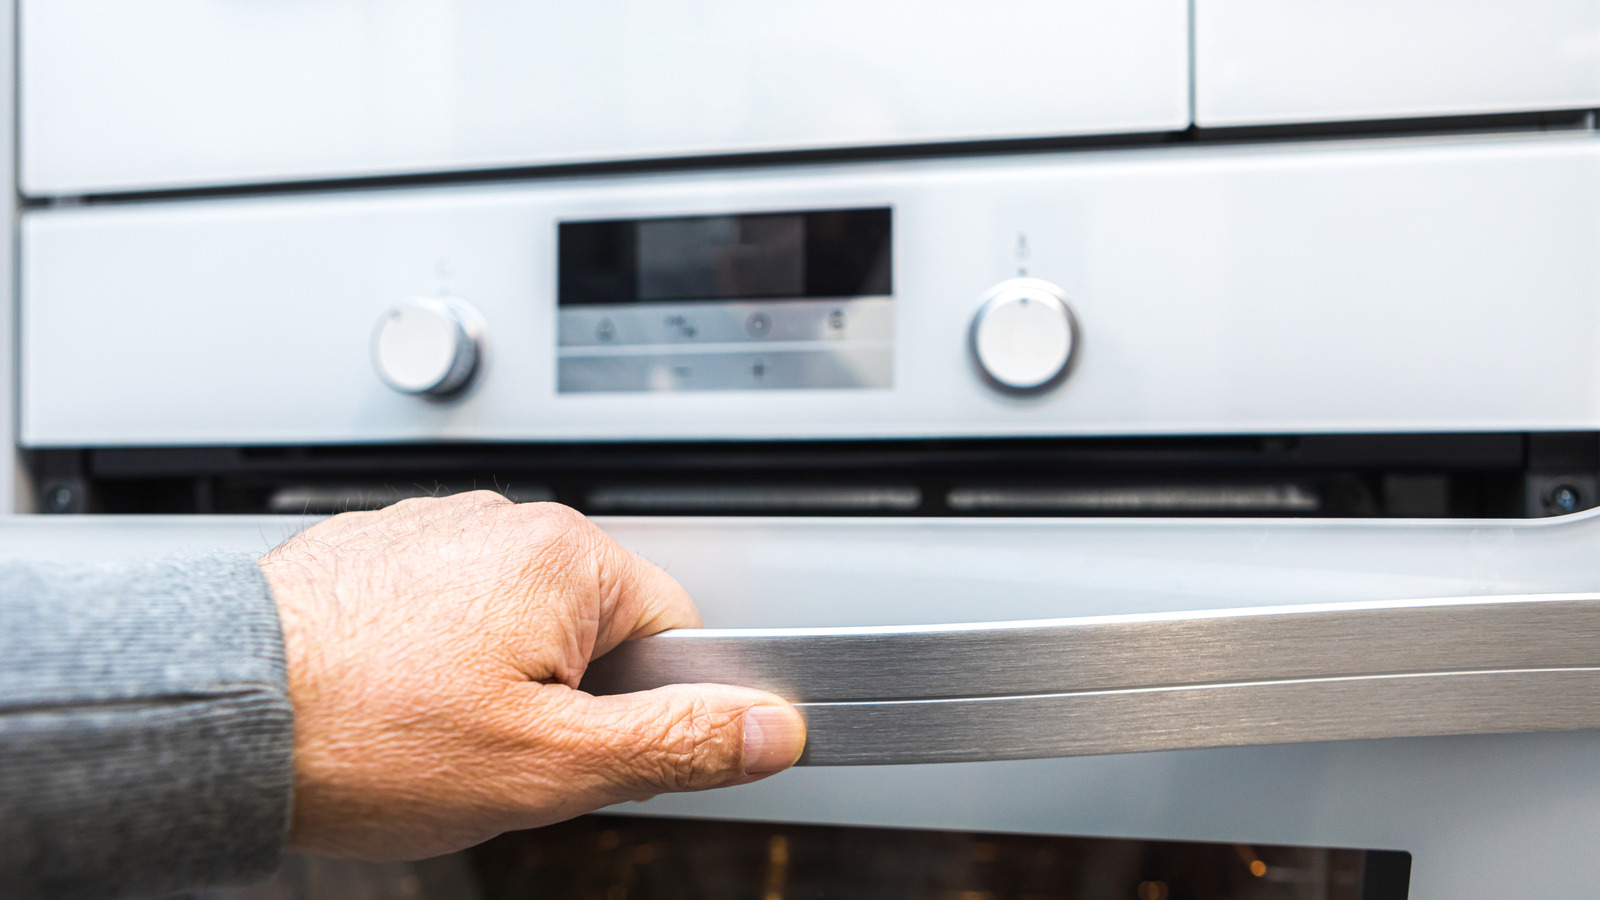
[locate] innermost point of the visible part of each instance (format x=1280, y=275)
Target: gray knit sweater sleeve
x=145, y=727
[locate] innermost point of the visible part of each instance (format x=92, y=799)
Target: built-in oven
x=1159, y=454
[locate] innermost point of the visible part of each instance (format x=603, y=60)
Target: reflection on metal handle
x=1120, y=684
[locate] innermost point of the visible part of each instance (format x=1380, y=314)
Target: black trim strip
x=1552, y=120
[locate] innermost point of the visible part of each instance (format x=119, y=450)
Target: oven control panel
x=1337, y=287
x=789, y=300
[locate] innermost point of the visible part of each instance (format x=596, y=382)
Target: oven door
x=1131, y=635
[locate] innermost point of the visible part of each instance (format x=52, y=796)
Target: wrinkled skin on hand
x=436, y=650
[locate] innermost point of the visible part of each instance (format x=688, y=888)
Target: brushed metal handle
x=1118, y=684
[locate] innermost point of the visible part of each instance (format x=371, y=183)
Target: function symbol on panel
x=605, y=331
x=759, y=324
x=1023, y=336
x=669, y=375
x=681, y=324
x=836, y=321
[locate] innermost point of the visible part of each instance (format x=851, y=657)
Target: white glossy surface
x=1485, y=818
x=418, y=347
x=163, y=93
x=1416, y=285
x=1281, y=61
x=1022, y=335
x=15, y=494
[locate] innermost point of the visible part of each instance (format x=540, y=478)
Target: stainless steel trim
x=1231, y=715
x=1114, y=684
x=1120, y=652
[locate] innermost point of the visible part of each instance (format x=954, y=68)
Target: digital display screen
x=764, y=256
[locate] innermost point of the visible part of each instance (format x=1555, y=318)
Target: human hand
x=435, y=653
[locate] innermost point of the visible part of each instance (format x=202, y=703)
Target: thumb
x=684, y=737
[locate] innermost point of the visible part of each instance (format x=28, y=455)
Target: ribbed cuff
x=146, y=733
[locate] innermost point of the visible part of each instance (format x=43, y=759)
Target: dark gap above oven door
x=1414, y=476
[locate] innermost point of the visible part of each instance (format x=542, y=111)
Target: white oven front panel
x=1423, y=285
x=123, y=96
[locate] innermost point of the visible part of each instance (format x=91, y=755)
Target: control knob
x=428, y=345
x=1023, y=336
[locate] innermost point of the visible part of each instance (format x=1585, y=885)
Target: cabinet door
x=166, y=93
x=1270, y=61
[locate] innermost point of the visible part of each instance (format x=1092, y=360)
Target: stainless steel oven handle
x=1119, y=684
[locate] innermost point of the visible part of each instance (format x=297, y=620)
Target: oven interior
x=606, y=857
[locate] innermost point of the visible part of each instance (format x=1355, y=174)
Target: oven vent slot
x=701, y=499
x=333, y=499
x=1167, y=499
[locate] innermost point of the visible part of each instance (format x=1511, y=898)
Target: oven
x=1157, y=443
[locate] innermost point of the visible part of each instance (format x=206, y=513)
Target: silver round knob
x=1023, y=335
x=428, y=345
